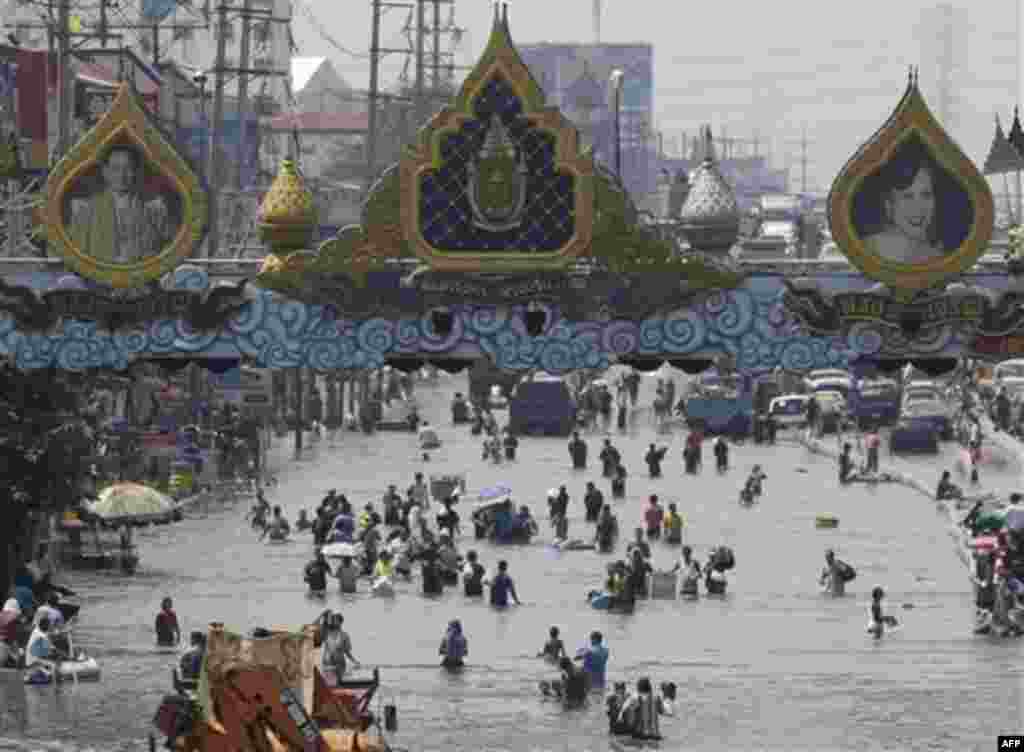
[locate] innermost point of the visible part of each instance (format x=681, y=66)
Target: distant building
x=750, y=178
x=575, y=78
x=317, y=87
x=325, y=138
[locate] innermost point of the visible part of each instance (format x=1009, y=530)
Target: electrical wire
x=319, y=27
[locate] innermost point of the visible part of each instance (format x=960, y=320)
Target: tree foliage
x=45, y=444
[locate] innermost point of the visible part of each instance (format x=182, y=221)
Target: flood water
x=775, y=665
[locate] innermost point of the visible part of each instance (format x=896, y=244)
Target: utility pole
x=421, y=28
x=64, y=76
x=803, y=160
x=103, y=23
x=436, y=81
x=803, y=143
x=213, y=174
x=243, y=91
x=374, y=94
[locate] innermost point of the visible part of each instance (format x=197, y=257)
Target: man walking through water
x=578, y=452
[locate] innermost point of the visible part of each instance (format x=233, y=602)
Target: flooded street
x=772, y=663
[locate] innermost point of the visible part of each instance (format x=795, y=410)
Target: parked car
x=934, y=412
x=875, y=401
x=830, y=379
x=790, y=410
x=832, y=414
x=914, y=434
x=921, y=391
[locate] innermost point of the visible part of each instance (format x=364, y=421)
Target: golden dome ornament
x=288, y=212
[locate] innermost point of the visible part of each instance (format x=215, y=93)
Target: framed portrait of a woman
x=910, y=209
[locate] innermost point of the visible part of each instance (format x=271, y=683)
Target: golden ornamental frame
x=911, y=117
x=500, y=56
x=127, y=122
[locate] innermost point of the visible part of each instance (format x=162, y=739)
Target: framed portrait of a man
x=124, y=206
x=115, y=216
x=910, y=209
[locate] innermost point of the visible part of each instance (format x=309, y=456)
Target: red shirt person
x=168, y=633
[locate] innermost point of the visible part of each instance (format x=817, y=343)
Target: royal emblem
x=497, y=181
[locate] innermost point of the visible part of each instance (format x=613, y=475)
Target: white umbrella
x=132, y=502
x=495, y=492
x=338, y=550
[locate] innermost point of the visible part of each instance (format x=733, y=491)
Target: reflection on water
x=774, y=665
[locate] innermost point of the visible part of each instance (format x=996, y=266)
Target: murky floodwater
x=775, y=665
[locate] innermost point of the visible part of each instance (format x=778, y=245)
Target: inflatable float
x=572, y=544
x=826, y=521
x=889, y=628
x=83, y=668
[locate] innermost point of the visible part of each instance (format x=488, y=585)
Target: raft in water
x=826, y=521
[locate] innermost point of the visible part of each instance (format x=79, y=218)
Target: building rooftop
x=303, y=69
x=328, y=122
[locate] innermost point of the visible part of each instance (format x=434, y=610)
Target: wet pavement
x=775, y=665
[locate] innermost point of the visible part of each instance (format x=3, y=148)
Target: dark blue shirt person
x=502, y=587
x=344, y=529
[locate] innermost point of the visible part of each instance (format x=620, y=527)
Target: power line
x=319, y=28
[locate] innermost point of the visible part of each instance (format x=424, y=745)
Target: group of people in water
x=35, y=618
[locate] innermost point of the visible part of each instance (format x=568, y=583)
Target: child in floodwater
x=879, y=621
x=454, y=646
x=554, y=648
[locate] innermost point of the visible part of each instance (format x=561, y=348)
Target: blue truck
x=874, y=401
x=718, y=404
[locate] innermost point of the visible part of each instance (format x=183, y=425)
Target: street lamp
x=199, y=79
x=616, y=80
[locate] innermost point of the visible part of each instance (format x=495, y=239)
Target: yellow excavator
x=265, y=694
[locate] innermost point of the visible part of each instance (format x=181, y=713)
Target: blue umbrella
x=1015, y=518
x=495, y=492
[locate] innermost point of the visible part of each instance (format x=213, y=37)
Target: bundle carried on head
x=723, y=559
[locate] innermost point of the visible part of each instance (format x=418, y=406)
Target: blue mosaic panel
x=750, y=323
x=446, y=216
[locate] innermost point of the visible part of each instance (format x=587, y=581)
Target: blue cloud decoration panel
x=749, y=323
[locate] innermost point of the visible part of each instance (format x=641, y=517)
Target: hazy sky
x=745, y=66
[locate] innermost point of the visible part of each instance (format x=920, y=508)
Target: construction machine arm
x=256, y=709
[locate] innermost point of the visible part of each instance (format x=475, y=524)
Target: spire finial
x=504, y=14
x=497, y=12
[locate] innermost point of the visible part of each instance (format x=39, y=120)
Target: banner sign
x=629, y=296
x=832, y=314
x=202, y=311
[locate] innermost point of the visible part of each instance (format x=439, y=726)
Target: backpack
x=846, y=572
